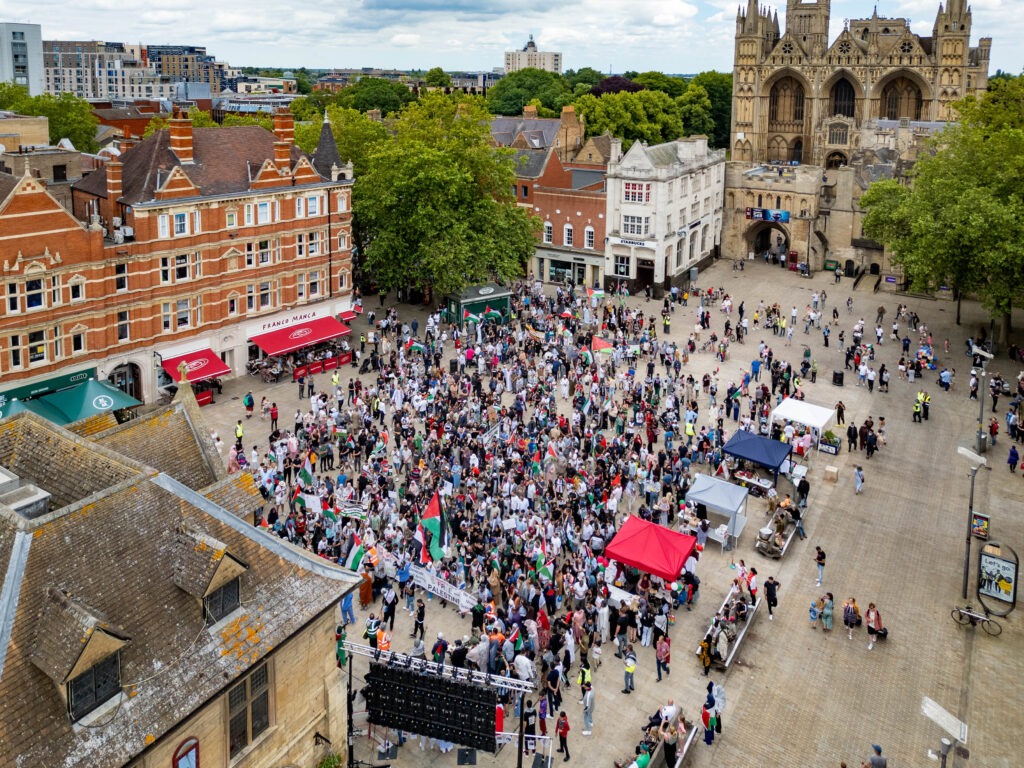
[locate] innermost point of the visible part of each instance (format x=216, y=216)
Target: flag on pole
x=551, y=453
x=305, y=476
x=491, y=314
x=469, y=317
x=595, y=294
x=516, y=639
x=356, y=554
x=307, y=502
x=415, y=346
x=545, y=568
x=600, y=345
x=432, y=531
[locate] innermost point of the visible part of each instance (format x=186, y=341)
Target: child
x=813, y=614
x=595, y=654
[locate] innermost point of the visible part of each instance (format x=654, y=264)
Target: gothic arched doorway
x=768, y=241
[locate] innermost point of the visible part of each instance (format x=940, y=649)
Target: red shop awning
x=302, y=335
x=348, y=316
x=202, y=364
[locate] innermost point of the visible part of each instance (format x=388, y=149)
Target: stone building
x=810, y=115
x=530, y=57
x=664, y=212
x=145, y=621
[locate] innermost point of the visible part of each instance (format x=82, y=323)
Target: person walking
x=562, y=730
x=629, y=665
x=874, y=621
x=771, y=595
x=248, y=402
x=819, y=561
x=419, y=620
x=858, y=479
x=718, y=692
x=530, y=728
x=876, y=760
x=663, y=655
x=589, y=699
x=670, y=741
x=390, y=602
x=851, y=616
x=1013, y=458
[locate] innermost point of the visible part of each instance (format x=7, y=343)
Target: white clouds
x=676, y=36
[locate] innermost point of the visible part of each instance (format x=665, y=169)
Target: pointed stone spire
x=326, y=156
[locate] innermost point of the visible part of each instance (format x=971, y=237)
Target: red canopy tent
x=652, y=548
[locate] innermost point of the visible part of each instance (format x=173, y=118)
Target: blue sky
x=679, y=36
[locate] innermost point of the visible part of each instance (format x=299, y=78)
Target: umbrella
x=37, y=407
x=88, y=399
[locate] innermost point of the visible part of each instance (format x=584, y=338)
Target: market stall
x=315, y=333
x=651, y=548
x=725, y=499
x=816, y=418
x=763, y=451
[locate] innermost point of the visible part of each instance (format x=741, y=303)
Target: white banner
x=424, y=579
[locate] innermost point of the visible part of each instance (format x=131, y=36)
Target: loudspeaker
x=467, y=756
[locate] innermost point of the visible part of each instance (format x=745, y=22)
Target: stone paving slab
x=796, y=697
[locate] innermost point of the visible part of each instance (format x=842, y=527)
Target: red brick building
x=193, y=242
x=571, y=203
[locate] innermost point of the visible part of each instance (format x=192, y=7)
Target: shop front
x=632, y=265
x=583, y=269
x=204, y=370
x=304, y=347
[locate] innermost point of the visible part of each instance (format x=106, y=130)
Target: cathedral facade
x=840, y=111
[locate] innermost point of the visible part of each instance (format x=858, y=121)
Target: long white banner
x=424, y=579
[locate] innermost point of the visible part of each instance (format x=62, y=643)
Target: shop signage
x=633, y=243
x=51, y=385
x=997, y=574
x=767, y=214
x=890, y=278
x=283, y=321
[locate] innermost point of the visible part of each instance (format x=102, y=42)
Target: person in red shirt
x=562, y=729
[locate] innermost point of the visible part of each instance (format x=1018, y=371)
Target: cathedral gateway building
x=814, y=122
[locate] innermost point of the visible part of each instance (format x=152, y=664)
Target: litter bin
x=837, y=378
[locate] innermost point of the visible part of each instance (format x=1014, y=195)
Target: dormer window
x=94, y=687
x=222, y=602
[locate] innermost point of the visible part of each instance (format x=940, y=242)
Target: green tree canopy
x=355, y=134
x=375, y=93
x=69, y=116
x=437, y=78
x=961, y=221
x=584, y=76
x=514, y=91
x=436, y=202
x=656, y=81
x=650, y=116
x=695, y=111
x=616, y=84
x=262, y=119
x=718, y=86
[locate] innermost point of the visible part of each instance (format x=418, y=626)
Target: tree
x=201, y=118
x=437, y=78
x=514, y=91
x=718, y=86
x=356, y=136
x=584, y=76
x=437, y=203
x=961, y=222
x=615, y=84
x=657, y=81
x=649, y=116
x=375, y=93
x=695, y=111
x=262, y=119
x=69, y=117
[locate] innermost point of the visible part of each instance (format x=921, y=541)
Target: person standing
x=851, y=616
x=419, y=620
x=589, y=699
x=370, y=633
x=874, y=621
x=670, y=739
x=530, y=728
x=840, y=413
x=704, y=653
x=390, y=601
x=629, y=664
x=771, y=596
x=718, y=692
x=819, y=561
x=827, y=610
x=663, y=655
x=1013, y=458
x=858, y=479
x=876, y=760
x=803, y=488
x=562, y=729
x=348, y=615
x=707, y=719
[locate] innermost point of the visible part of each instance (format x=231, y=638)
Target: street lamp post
x=977, y=351
x=978, y=462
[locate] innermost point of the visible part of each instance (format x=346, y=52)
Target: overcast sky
x=674, y=36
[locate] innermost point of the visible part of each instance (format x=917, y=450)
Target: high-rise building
x=814, y=122
x=531, y=58
x=21, y=56
x=92, y=69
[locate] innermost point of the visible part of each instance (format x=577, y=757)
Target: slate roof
x=326, y=155
x=112, y=552
x=540, y=132
x=530, y=162
x=224, y=158
x=7, y=185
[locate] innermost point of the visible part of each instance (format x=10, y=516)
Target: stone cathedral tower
x=796, y=97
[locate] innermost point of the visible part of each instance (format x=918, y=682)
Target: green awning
x=88, y=399
x=37, y=407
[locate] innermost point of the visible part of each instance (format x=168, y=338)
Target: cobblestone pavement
x=798, y=697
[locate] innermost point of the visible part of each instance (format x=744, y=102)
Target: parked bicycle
x=967, y=616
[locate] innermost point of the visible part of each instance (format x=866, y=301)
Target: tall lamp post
x=978, y=462
x=976, y=352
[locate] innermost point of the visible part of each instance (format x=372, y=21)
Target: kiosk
x=726, y=499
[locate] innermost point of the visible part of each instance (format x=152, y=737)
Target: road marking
x=945, y=720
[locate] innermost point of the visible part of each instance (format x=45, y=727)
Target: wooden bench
x=741, y=632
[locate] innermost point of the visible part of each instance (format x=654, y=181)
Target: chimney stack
x=114, y=188
x=283, y=155
x=529, y=111
x=181, y=139
x=284, y=126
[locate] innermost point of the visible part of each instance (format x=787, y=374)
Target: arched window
x=843, y=98
x=186, y=755
x=838, y=133
x=704, y=239
x=785, y=104
x=797, y=154
x=901, y=98
x=759, y=203
x=835, y=160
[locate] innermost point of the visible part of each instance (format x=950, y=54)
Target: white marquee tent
x=724, y=498
x=816, y=417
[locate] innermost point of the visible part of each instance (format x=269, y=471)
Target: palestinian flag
x=356, y=554
x=516, y=639
x=551, y=453
x=415, y=346
x=307, y=502
x=491, y=314
x=595, y=294
x=600, y=345
x=588, y=358
x=469, y=317
x=305, y=477
x=536, y=463
x=382, y=444
x=432, y=531
x=545, y=568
